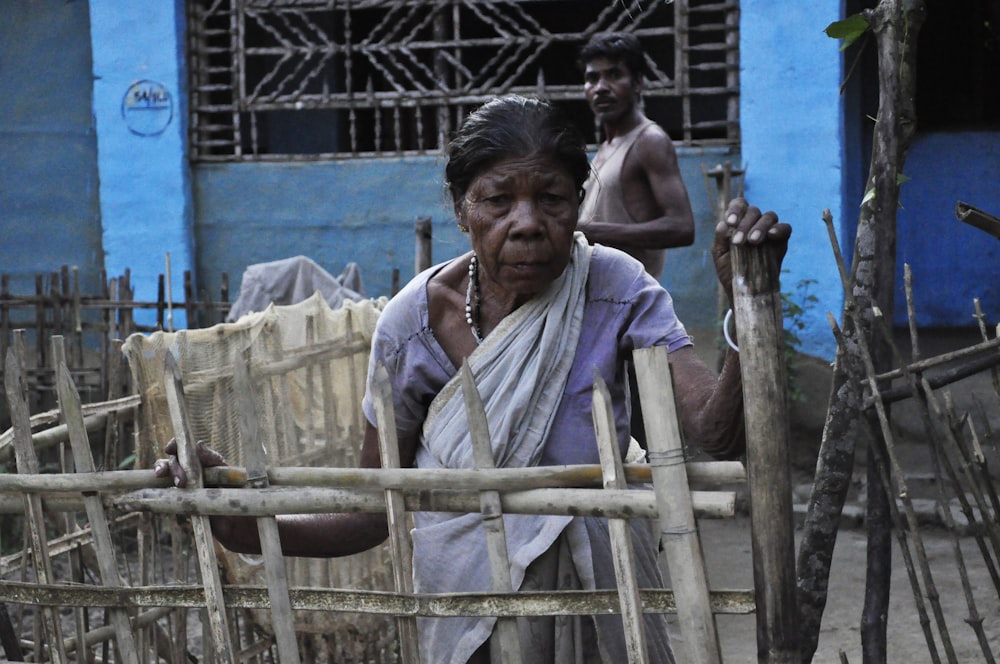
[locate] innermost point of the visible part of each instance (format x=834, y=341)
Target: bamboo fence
x=140, y=572
x=90, y=322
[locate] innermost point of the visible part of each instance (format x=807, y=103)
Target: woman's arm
x=311, y=535
x=710, y=407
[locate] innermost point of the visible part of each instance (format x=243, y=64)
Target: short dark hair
x=513, y=126
x=621, y=47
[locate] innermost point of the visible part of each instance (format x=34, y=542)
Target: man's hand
x=745, y=224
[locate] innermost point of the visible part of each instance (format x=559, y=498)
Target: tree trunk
x=895, y=25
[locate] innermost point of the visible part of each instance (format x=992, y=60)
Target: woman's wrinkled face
x=521, y=214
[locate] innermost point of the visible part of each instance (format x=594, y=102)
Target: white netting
x=308, y=363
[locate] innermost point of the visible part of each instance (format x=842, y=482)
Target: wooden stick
x=255, y=458
x=214, y=601
x=27, y=462
x=678, y=529
x=409, y=479
x=757, y=304
x=69, y=402
x=400, y=545
x=547, y=603
x=609, y=503
x=492, y=514
x=622, y=554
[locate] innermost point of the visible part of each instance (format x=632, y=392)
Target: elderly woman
x=533, y=309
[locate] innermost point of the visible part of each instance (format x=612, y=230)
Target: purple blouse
x=625, y=309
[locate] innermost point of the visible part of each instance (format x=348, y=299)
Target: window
x=321, y=79
x=958, y=66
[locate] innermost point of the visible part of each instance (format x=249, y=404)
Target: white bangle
x=725, y=331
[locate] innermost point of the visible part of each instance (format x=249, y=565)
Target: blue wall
x=952, y=262
x=363, y=211
x=791, y=118
x=138, y=203
x=49, y=212
x=140, y=108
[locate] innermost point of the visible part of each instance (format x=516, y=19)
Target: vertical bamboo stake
x=69, y=404
x=489, y=503
x=255, y=459
x=399, y=540
x=27, y=463
x=757, y=305
x=622, y=553
x=218, y=626
x=678, y=529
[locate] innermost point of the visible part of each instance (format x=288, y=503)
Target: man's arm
x=655, y=194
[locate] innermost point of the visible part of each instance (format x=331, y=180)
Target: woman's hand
x=170, y=466
x=745, y=224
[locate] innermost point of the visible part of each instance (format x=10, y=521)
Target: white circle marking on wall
x=148, y=108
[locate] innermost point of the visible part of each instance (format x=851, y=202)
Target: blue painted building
x=97, y=170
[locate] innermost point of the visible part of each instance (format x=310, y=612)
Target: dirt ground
x=727, y=553
x=727, y=542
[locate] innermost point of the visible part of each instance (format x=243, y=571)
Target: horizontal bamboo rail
x=734, y=602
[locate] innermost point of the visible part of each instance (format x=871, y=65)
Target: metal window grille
x=322, y=79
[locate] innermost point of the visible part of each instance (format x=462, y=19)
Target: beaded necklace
x=472, y=299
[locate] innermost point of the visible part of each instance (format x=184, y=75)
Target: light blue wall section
x=360, y=211
x=791, y=121
x=145, y=186
x=952, y=262
x=49, y=212
x=363, y=211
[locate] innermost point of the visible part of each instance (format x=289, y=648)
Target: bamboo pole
x=622, y=554
x=255, y=458
x=399, y=540
x=27, y=462
x=492, y=513
x=187, y=456
x=609, y=503
x=83, y=460
x=191, y=596
x=757, y=304
x=678, y=529
x=409, y=479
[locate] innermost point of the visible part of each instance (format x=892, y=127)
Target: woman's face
x=521, y=214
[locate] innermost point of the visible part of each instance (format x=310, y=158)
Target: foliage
x=848, y=30
x=794, y=308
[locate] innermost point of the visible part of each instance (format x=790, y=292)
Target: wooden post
x=282, y=619
x=757, y=308
x=16, y=387
x=674, y=501
x=489, y=503
x=69, y=404
x=619, y=530
x=218, y=632
x=399, y=539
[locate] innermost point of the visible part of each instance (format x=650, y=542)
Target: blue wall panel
x=49, y=210
x=363, y=211
x=952, y=262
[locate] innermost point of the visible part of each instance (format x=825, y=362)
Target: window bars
x=321, y=79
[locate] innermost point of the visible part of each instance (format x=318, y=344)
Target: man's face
x=610, y=89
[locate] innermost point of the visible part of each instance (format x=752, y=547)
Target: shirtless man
x=636, y=200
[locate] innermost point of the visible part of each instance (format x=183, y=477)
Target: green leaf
x=901, y=179
x=849, y=29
